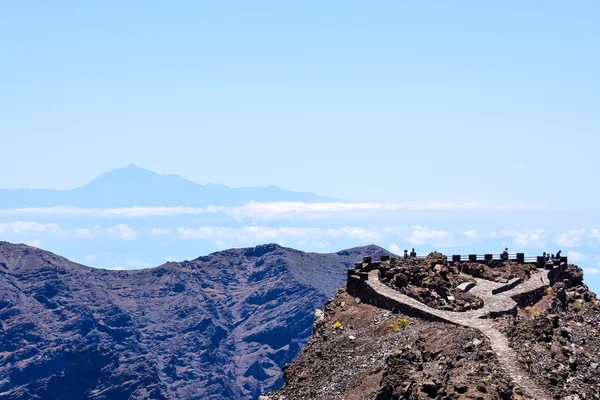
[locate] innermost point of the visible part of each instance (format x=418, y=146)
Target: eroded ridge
x=366, y=285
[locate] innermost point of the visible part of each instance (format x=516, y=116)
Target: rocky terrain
x=548, y=348
x=217, y=327
x=375, y=354
x=557, y=337
x=431, y=280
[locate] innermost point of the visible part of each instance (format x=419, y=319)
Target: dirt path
x=493, y=304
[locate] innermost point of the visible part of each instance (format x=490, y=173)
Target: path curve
x=497, y=304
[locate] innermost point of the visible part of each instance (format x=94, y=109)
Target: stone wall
x=358, y=287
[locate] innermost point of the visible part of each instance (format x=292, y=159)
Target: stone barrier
x=511, y=284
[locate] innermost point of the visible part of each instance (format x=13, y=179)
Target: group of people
x=551, y=257
x=413, y=253
x=547, y=256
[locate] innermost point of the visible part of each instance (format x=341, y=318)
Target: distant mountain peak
x=128, y=169
x=131, y=176
x=132, y=185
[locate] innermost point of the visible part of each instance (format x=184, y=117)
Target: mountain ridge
x=219, y=326
x=131, y=185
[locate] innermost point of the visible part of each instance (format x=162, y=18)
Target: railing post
x=488, y=257
x=472, y=257
x=385, y=258
x=540, y=261
x=521, y=258
x=456, y=258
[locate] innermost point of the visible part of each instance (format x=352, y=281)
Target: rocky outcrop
x=375, y=354
x=217, y=327
x=432, y=281
x=545, y=345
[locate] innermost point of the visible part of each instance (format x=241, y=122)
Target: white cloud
x=129, y=212
x=198, y=233
x=136, y=263
x=591, y=271
x=395, y=229
x=528, y=239
x=573, y=238
x=288, y=210
x=83, y=232
x=578, y=237
x=425, y=235
x=160, y=231
x=273, y=210
x=27, y=228
x=251, y=234
x=395, y=249
x=523, y=238
x=90, y=257
x=320, y=245
x=33, y=242
x=116, y=268
x=353, y=232
x=123, y=231
x=472, y=234
x=575, y=256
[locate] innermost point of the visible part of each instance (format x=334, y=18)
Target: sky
x=428, y=100
x=389, y=103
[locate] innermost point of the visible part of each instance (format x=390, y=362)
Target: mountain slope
x=220, y=326
x=134, y=186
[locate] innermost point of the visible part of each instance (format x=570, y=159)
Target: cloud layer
x=416, y=235
x=275, y=210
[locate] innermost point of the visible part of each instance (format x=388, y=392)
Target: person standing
x=413, y=253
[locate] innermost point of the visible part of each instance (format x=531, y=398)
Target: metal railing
x=518, y=257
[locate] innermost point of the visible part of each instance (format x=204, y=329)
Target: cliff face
x=546, y=344
x=220, y=326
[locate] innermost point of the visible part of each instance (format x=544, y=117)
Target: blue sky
x=430, y=101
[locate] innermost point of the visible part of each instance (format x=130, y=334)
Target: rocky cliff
x=412, y=342
x=217, y=327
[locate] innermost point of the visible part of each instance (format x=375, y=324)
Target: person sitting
x=558, y=254
x=405, y=254
x=504, y=256
x=413, y=253
x=552, y=257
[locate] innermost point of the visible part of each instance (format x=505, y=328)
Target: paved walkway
x=497, y=304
